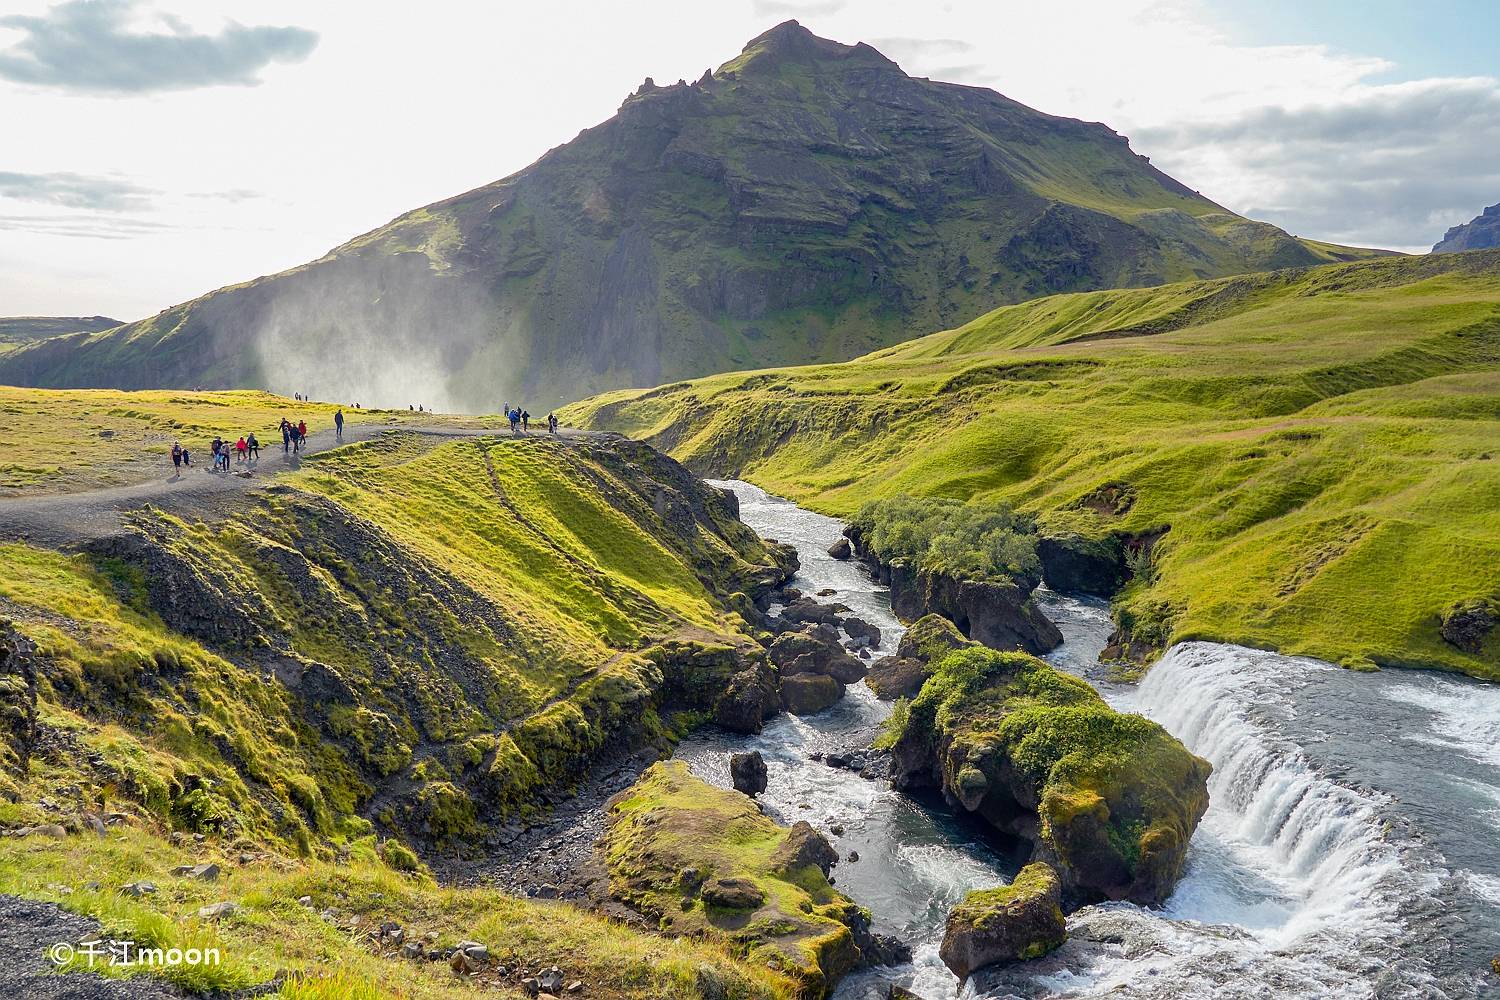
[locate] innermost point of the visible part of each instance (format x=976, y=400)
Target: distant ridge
x=1480, y=233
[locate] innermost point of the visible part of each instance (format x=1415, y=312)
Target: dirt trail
x=59, y=519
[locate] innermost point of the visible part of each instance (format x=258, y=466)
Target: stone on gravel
x=551, y=980
x=748, y=772
x=733, y=893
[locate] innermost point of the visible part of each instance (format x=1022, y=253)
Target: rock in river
x=748, y=771
x=1012, y=923
x=1109, y=800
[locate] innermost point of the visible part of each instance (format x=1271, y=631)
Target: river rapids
x=1351, y=848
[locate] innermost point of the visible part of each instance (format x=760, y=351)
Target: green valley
x=1301, y=460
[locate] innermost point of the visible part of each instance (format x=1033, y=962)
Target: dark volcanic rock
x=805, y=846
x=1074, y=564
x=1467, y=625
x=805, y=694
x=1012, y=923
x=815, y=650
x=893, y=677
x=998, y=613
x=748, y=772
x=733, y=893
x=858, y=628
x=840, y=549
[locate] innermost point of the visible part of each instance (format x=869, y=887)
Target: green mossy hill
x=808, y=201
x=705, y=863
x=419, y=634
x=330, y=947
x=1109, y=800
x=1321, y=444
x=1009, y=923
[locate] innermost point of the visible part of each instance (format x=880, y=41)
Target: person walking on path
x=252, y=447
x=302, y=433
x=241, y=450
x=286, y=435
x=177, y=458
x=551, y=423
x=514, y=416
x=525, y=421
x=338, y=424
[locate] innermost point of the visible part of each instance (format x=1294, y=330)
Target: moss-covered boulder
x=703, y=862
x=1110, y=800
x=1010, y=923
x=805, y=694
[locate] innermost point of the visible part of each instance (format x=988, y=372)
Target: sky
x=153, y=150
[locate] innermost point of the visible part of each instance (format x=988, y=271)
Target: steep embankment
x=436, y=636
x=1318, y=447
x=808, y=201
x=415, y=641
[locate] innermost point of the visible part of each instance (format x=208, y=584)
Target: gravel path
x=62, y=519
x=28, y=928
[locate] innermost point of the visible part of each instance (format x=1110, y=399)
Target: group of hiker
x=246, y=450
x=520, y=419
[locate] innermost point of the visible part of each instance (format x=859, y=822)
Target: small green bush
x=974, y=540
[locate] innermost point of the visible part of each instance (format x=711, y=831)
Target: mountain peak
x=790, y=42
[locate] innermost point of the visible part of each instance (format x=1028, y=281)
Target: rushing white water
x=1343, y=854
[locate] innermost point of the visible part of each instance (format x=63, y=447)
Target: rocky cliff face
x=997, y=613
x=808, y=201
x=1480, y=233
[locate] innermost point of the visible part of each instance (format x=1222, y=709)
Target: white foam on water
x=1290, y=887
x=1465, y=716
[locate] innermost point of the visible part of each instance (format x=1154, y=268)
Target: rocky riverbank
x=996, y=612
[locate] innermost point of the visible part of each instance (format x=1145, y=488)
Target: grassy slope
x=547, y=620
x=501, y=634
x=1320, y=442
x=331, y=959
x=63, y=441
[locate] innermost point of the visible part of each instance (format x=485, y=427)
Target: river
x=1351, y=848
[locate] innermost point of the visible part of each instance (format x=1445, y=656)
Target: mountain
x=26, y=329
x=1480, y=233
x=806, y=202
x=1303, y=460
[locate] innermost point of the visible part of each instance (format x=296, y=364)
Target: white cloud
x=89, y=46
